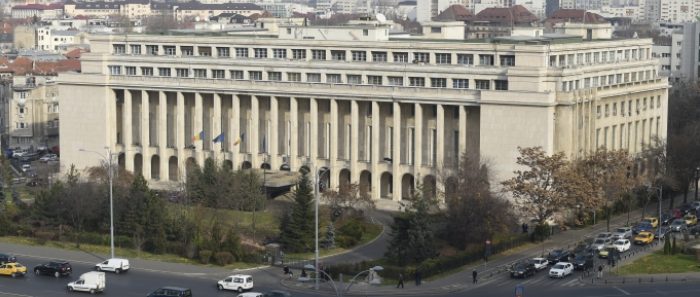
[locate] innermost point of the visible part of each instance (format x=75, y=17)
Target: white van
x=115, y=264
x=92, y=282
x=236, y=282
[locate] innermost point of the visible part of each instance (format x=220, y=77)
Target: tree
x=347, y=197
x=683, y=134
x=297, y=231
x=412, y=239
x=541, y=190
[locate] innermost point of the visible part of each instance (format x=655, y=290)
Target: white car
x=561, y=270
x=622, y=245
x=604, y=235
x=251, y=294
x=236, y=282
x=622, y=233
x=92, y=282
x=26, y=167
x=48, y=157
x=540, y=263
x=115, y=264
x=601, y=243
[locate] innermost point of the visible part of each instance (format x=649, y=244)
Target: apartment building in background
x=678, y=50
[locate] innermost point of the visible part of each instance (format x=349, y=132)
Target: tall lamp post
x=110, y=174
x=339, y=292
x=317, y=178
x=697, y=180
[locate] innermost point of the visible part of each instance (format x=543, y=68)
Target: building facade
x=384, y=113
x=678, y=50
x=33, y=113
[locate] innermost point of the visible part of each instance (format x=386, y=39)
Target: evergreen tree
x=329, y=241
x=297, y=232
x=136, y=211
x=412, y=240
x=209, y=181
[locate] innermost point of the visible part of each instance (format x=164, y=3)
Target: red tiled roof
x=74, y=54
x=516, y=14
x=24, y=65
x=576, y=16
x=456, y=12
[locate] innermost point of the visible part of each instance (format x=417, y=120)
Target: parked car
x=236, y=282
x=583, y=261
x=26, y=167
x=93, y=282
x=5, y=258
x=561, y=270
x=690, y=219
x=696, y=205
x=277, y=293
x=522, y=269
x=115, y=264
x=13, y=269
x=55, y=268
x=558, y=255
x=679, y=225
x=666, y=219
x=686, y=209
x=622, y=233
x=622, y=245
x=601, y=243
x=251, y=294
x=695, y=230
x=642, y=227
x=48, y=157
x=661, y=233
x=644, y=238
x=540, y=263
x=651, y=220
x=604, y=235
x=171, y=292
x=609, y=251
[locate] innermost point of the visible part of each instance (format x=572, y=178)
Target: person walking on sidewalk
x=600, y=271
x=400, y=281
x=474, y=273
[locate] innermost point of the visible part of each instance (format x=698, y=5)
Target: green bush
x=41, y=237
x=92, y=238
x=541, y=233
x=223, y=258
x=350, y=233
x=205, y=256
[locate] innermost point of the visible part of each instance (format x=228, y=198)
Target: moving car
x=561, y=270
x=679, y=225
x=601, y=243
x=604, y=235
x=583, y=261
x=236, y=282
x=93, y=282
x=558, y=255
x=644, y=238
x=251, y=294
x=666, y=219
x=694, y=231
x=48, y=157
x=643, y=227
x=522, y=270
x=115, y=264
x=13, y=269
x=661, y=233
x=621, y=245
x=690, y=219
x=277, y=293
x=540, y=263
x=622, y=233
x=5, y=258
x=26, y=167
x=696, y=205
x=607, y=252
x=651, y=220
x=54, y=268
x=171, y=292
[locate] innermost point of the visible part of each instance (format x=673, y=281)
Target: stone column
x=376, y=174
x=254, y=130
x=273, y=142
x=198, y=127
x=113, y=139
x=418, y=142
x=462, y=132
x=440, y=127
x=216, y=128
x=294, y=137
x=333, y=145
x=235, y=125
x=163, y=134
x=126, y=127
x=145, y=135
x=354, y=142
x=396, y=154
x=180, y=134
x=313, y=149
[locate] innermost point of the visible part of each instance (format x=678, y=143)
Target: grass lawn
x=657, y=263
x=372, y=232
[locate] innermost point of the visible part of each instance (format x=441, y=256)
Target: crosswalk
x=536, y=281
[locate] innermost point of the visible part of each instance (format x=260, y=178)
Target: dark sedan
x=583, y=261
x=523, y=270
x=557, y=256
x=5, y=258
x=642, y=227
x=54, y=268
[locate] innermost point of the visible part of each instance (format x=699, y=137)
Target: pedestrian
x=418, y=278
x=600, y=271
x=474, y=273
x=400, y=281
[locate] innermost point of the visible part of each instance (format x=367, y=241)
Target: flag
x=239, y=139
x=219, y=138
x=199, y=136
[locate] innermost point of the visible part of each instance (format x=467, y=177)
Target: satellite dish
x=381, y=18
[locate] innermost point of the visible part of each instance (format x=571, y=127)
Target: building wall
x=25, y=37
x=33, y=113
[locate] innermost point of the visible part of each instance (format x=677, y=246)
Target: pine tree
x=298, y=233
x=412, y=240
x=329, y=241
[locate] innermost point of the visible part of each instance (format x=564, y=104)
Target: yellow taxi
x=652, y=220
x=13, y=269
x=644, y=238
x=690, y=220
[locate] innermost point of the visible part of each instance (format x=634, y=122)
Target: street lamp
x=340, y=292
x=317, y=177
x=111, y=194
x=697, y=180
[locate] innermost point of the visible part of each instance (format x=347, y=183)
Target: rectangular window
x=115, y=70
x=298, y=54
x=130, y=70
x=169, y=50
x=334, y=79
x=507, y=60
x=293, y=76
x=119, y=49
x=379, y=57
x=182, y=72
x=260, y=53
x=274, y=75
x=237, y=74
x=313, y=77
x=135, y=49
x=152, y=50
x=147, y=71
x=318, y=54
x=438, y=82
x=164, y=72
x=279, y=53
x=443, y=58
x=359, y=56
x=460, y=83
x=501, y=85
x=200, y=73
x=421, y=57
x=614, y=109
x=374, y=79
x=204, y=51
x=400, y=57
x=485, y=59
x=482, y=84
x=465, y=59
x=416, y=81
x=223, y=52
x=187, y=50
x=338, y=55
x=217, y=73
x=395, y=80
x=241, y=52
x=622, y=108
x=354, y=79
x=255, y=75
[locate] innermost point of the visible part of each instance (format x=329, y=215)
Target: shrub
x=350, y=233
x=223, y=258
x=542, y=232
x=205, y=256
x=92, y=238
x=41, y=237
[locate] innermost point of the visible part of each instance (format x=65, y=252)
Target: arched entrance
x=155, y=167
x=228, y=164
x=386, y=186
x=121, y=161
x=265, y=166
x=365, y=182
x=285, y=167
x=138, y=164
x=407, y=186
x=344, y=177
x=430, y=186
x=172, y=169
x=451, y=186
x=246, y=165
x=324, y=176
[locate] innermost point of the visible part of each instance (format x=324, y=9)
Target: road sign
x=519, y=291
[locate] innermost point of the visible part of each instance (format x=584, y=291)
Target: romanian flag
x=199, y=136
x=239, y=139
x=219, y=138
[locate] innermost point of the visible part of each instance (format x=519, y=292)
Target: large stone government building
x=381, y=111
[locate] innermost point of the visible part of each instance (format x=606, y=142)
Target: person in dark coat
x=474, y=274
x=400, y=281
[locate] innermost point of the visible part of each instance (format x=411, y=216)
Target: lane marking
x=622, y=291
x=567, y=284
x=14, y=294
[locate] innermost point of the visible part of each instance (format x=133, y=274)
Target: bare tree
x=346, y=198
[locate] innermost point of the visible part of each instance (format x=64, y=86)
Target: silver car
x=601, y=243
x=622, y=233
